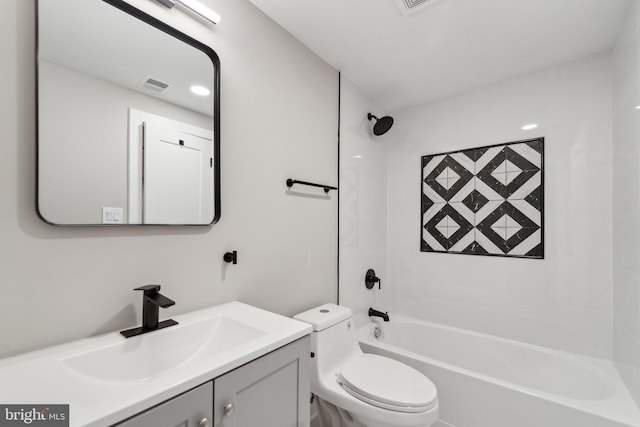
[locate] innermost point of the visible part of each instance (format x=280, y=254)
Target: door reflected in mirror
x=128, y=118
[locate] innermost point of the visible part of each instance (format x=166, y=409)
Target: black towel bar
x=326, y=188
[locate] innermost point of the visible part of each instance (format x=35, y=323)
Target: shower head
x=382, y=125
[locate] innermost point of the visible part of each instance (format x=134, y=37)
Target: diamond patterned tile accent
x=426, y=203
x=456, y=227
x=448, y=176
x=475, y=249
x=535, y=197
x=475, y=201
x=485, y=201
x=447, y=227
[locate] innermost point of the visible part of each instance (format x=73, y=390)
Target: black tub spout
x=376, y=313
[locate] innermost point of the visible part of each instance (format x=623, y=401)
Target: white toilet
x=373, y=391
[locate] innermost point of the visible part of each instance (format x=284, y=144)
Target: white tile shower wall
x=278, y=119
x=363, y=201
x=626, y=200
x=563, y=301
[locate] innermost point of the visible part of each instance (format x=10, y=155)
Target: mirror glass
x=128, y=120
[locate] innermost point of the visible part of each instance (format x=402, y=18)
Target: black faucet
x=152, y=300
x=377, y=313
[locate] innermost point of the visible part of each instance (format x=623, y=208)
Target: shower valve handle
x=370, y=279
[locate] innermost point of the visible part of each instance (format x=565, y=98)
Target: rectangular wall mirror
x=128, y=118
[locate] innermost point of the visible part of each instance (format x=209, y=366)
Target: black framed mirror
x=128, y=114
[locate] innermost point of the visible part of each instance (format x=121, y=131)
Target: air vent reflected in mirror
x=410, y=7
x=154, y=84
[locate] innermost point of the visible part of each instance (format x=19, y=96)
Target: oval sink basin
x=149, y=355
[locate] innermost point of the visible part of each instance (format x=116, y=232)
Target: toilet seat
x=388, y=384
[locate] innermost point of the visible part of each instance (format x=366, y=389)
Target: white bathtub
x=485, y=381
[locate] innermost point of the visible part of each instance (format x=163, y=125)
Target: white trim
x=137, y=119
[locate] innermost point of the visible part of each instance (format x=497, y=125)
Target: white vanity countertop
x=100, y=398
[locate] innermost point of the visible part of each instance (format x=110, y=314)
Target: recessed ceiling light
x=637, y=107
x=200, y=90
x=530, y=126
x=357, y=156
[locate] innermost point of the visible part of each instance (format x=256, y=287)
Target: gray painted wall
x=279, y=119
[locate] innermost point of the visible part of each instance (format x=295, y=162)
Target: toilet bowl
x=374, y=391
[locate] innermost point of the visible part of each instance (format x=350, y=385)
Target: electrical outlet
x=112, y=215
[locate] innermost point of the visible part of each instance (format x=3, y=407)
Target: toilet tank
x=333, y=340
x=324, y=316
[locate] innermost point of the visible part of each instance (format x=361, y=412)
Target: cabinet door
x=272, y=391
x=186, y=410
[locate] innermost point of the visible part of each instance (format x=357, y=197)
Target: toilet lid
x=387, y=383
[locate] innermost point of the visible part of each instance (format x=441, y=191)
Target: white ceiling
x=448, y=47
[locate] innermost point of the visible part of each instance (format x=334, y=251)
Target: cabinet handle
x=204, y=422
x=229, y=409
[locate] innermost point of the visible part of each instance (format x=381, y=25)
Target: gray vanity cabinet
x=191, y=409
x=272, y=391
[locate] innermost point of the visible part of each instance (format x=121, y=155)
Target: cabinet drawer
x=186, y=410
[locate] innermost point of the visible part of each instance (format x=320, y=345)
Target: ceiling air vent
x=410, y=7
x=154, y=84
x=410, y=4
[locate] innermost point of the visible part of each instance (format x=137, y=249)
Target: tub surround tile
x=631, y=377
x=626, y=301
x=563, y=302
x=626, y=201
x=363, y=204
x=626, y=235
x=626, y=173
x=626, y=347
x=580, y=331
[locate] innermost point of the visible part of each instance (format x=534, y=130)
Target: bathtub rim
x=619, y=406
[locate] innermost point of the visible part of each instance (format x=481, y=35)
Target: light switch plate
x=112, y=215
